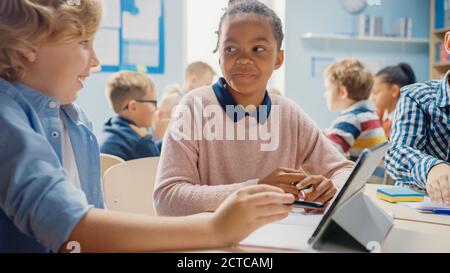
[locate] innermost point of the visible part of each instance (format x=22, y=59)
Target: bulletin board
x=131, y=36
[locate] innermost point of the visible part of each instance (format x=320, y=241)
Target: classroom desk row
x=412, y=231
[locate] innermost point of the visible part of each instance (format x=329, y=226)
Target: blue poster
x=131, y=36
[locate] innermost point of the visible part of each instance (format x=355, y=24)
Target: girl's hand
x=285, y=179
x=247, y=210
x=322, y=190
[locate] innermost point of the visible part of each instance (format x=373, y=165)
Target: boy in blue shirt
x=419, y=154
x=50, y=190
x=132, y=96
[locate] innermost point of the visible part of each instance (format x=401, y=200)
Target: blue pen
x=441, y=211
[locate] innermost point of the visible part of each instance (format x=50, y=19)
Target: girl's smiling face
x=248, y=54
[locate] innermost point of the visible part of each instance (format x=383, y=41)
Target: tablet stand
x=357, y=226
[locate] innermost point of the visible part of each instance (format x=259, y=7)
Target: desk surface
x=412, y=231
x=410, y=236
x=402, y=212
x=405, y=236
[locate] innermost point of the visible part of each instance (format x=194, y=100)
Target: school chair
x=107, y=161
x=128, y=187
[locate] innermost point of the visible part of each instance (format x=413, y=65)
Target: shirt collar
x=121, y=121
x=38, y=101
x=225, y=99
x=444, y=96
x=41, y=102
x=366, y=104
x=72, y=112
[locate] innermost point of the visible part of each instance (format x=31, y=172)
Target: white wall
x=202, y=21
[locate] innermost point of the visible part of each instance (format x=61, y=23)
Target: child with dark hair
x=386, y=91
x=197, y=173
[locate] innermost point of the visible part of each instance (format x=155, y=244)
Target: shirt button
x=55, y=134
x=52, y=105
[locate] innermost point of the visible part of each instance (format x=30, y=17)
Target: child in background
x=50, y=190
x=197, y=75
x=196, y=173
x=386, y=91
x=164, y=113
x=419, y=154
x=132, y=96
x=173, y=88
x=358, y=127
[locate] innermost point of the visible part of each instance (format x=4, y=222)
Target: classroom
x=225, y=126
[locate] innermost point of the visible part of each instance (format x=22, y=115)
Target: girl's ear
x=280, y=59
x=30, y=55
x=395, y=91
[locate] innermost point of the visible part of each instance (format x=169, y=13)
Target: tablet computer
x=364, y=168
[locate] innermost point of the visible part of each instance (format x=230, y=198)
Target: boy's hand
x=322, y=190
x=284, y=178
x=438, y=184
x=247, y=210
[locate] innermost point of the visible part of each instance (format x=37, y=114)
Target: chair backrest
x=128, y=187
x=107, y=161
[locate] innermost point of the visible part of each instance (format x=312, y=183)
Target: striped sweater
x=357, y=128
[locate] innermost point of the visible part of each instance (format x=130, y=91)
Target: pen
x=441, y=211
x=302, y=191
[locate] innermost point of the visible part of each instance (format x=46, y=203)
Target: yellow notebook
x=395, y=195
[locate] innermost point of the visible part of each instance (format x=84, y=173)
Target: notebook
x=395, y=195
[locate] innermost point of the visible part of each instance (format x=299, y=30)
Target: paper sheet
x=291, y=233
x=146, y=18
x=301, y=219
x=426, y=205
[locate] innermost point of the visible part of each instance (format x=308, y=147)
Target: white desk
x=402, y=212
x=412, y=231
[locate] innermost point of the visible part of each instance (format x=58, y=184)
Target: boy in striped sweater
x=358, y=127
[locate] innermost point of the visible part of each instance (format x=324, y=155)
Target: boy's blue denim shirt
x=39, y=207
x=119, y=139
